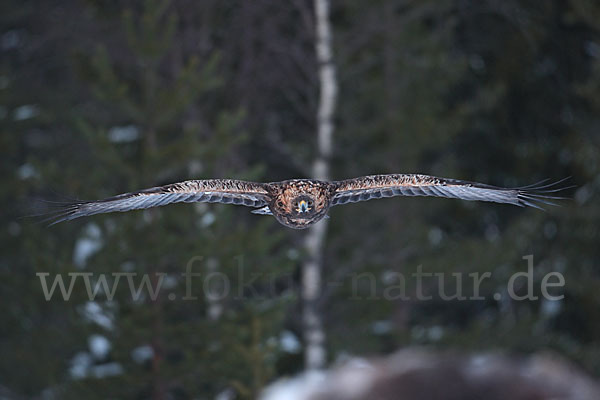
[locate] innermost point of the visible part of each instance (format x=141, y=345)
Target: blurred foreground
x=415, y=374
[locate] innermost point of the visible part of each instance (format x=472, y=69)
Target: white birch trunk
x=314, y=334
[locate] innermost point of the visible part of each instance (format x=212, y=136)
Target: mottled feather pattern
x=378, y=186
x=285, y=194
x=225, y=191
x=282, y=199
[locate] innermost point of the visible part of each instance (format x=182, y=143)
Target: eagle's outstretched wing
x=377, y=186
x=227, y=191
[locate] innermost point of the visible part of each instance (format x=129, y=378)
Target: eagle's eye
x=280, y=203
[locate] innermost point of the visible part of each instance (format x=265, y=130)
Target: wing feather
x=377, y=186
x=226, y=191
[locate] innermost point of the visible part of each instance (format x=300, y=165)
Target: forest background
x=103, y=97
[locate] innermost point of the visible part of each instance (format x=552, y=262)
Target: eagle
x=300, y=203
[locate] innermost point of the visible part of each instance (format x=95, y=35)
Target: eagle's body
x=287, y=197
x=299, y=203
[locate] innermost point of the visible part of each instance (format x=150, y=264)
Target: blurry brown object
x=424, y=374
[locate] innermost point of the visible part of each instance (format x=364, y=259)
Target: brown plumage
x=299, y=203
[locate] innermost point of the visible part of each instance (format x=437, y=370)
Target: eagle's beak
x=303, y=206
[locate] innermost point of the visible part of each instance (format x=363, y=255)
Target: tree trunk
x=314, y=335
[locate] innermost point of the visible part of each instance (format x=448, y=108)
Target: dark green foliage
x=501, y=92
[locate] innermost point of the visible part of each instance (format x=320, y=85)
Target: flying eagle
x=300, y=203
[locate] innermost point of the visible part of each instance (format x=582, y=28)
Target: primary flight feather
x=299, y=203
